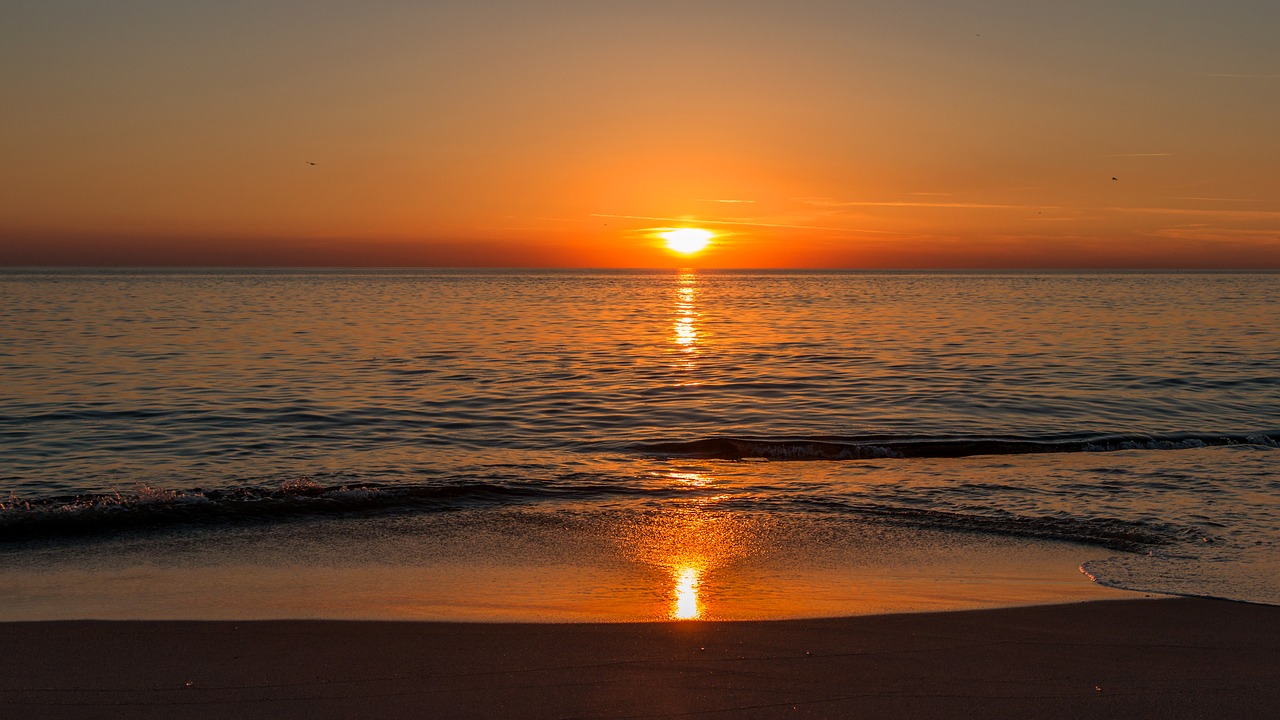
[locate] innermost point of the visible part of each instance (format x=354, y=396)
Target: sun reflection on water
x=686, y=592
x=690, y=545
x=684, y=332
x=689, y=479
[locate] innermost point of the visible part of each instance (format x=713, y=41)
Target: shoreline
x=1159, y=657
x=540, y=567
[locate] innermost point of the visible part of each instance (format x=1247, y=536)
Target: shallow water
x=1130, y=415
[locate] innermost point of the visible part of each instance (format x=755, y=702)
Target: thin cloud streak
x=903, y=203
x=722, y=201
x=1243, y=214
x=1236, y=75
x=1213, y=199
x=1214, y=234
x=749, y=224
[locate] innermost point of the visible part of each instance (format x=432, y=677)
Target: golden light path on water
x=686, y=572
x=686, y=591
x=684, y=331
x=689, y=540
x=702, y=560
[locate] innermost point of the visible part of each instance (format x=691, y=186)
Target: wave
x=887, y=446
x=149, y=509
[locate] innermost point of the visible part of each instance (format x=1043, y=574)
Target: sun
x=687, y=241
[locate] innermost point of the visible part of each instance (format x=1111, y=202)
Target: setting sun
x=686, y=240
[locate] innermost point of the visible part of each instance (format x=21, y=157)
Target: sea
x=606, y=444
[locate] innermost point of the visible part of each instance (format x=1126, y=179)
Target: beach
x=1146, y=658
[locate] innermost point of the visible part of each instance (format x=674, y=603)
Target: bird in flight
x=311, y=163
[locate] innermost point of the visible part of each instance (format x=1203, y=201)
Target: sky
x=822, y=134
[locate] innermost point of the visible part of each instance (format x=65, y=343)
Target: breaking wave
x=886, y=446
x=145, y=507
x=149, y=509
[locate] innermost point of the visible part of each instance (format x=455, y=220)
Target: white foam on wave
x=1246, y=575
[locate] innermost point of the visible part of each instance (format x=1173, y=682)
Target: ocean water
x=1132, y=417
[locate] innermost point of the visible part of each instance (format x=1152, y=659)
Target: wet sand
x=1157, y=658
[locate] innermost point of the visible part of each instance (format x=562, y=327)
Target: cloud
x=1236, y=214
x=1208, y=233
x=1213, y=199
x=721, y=201
x=1236, y=75
x=908, y=203
x=1141, y=155
x=701, y=221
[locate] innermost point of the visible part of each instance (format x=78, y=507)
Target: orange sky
x=810, y=134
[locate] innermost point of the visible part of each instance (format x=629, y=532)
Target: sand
x=1157, y=658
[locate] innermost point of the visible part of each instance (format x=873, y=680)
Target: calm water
x=1134, y=414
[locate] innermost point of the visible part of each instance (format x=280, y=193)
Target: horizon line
x=571, y=268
